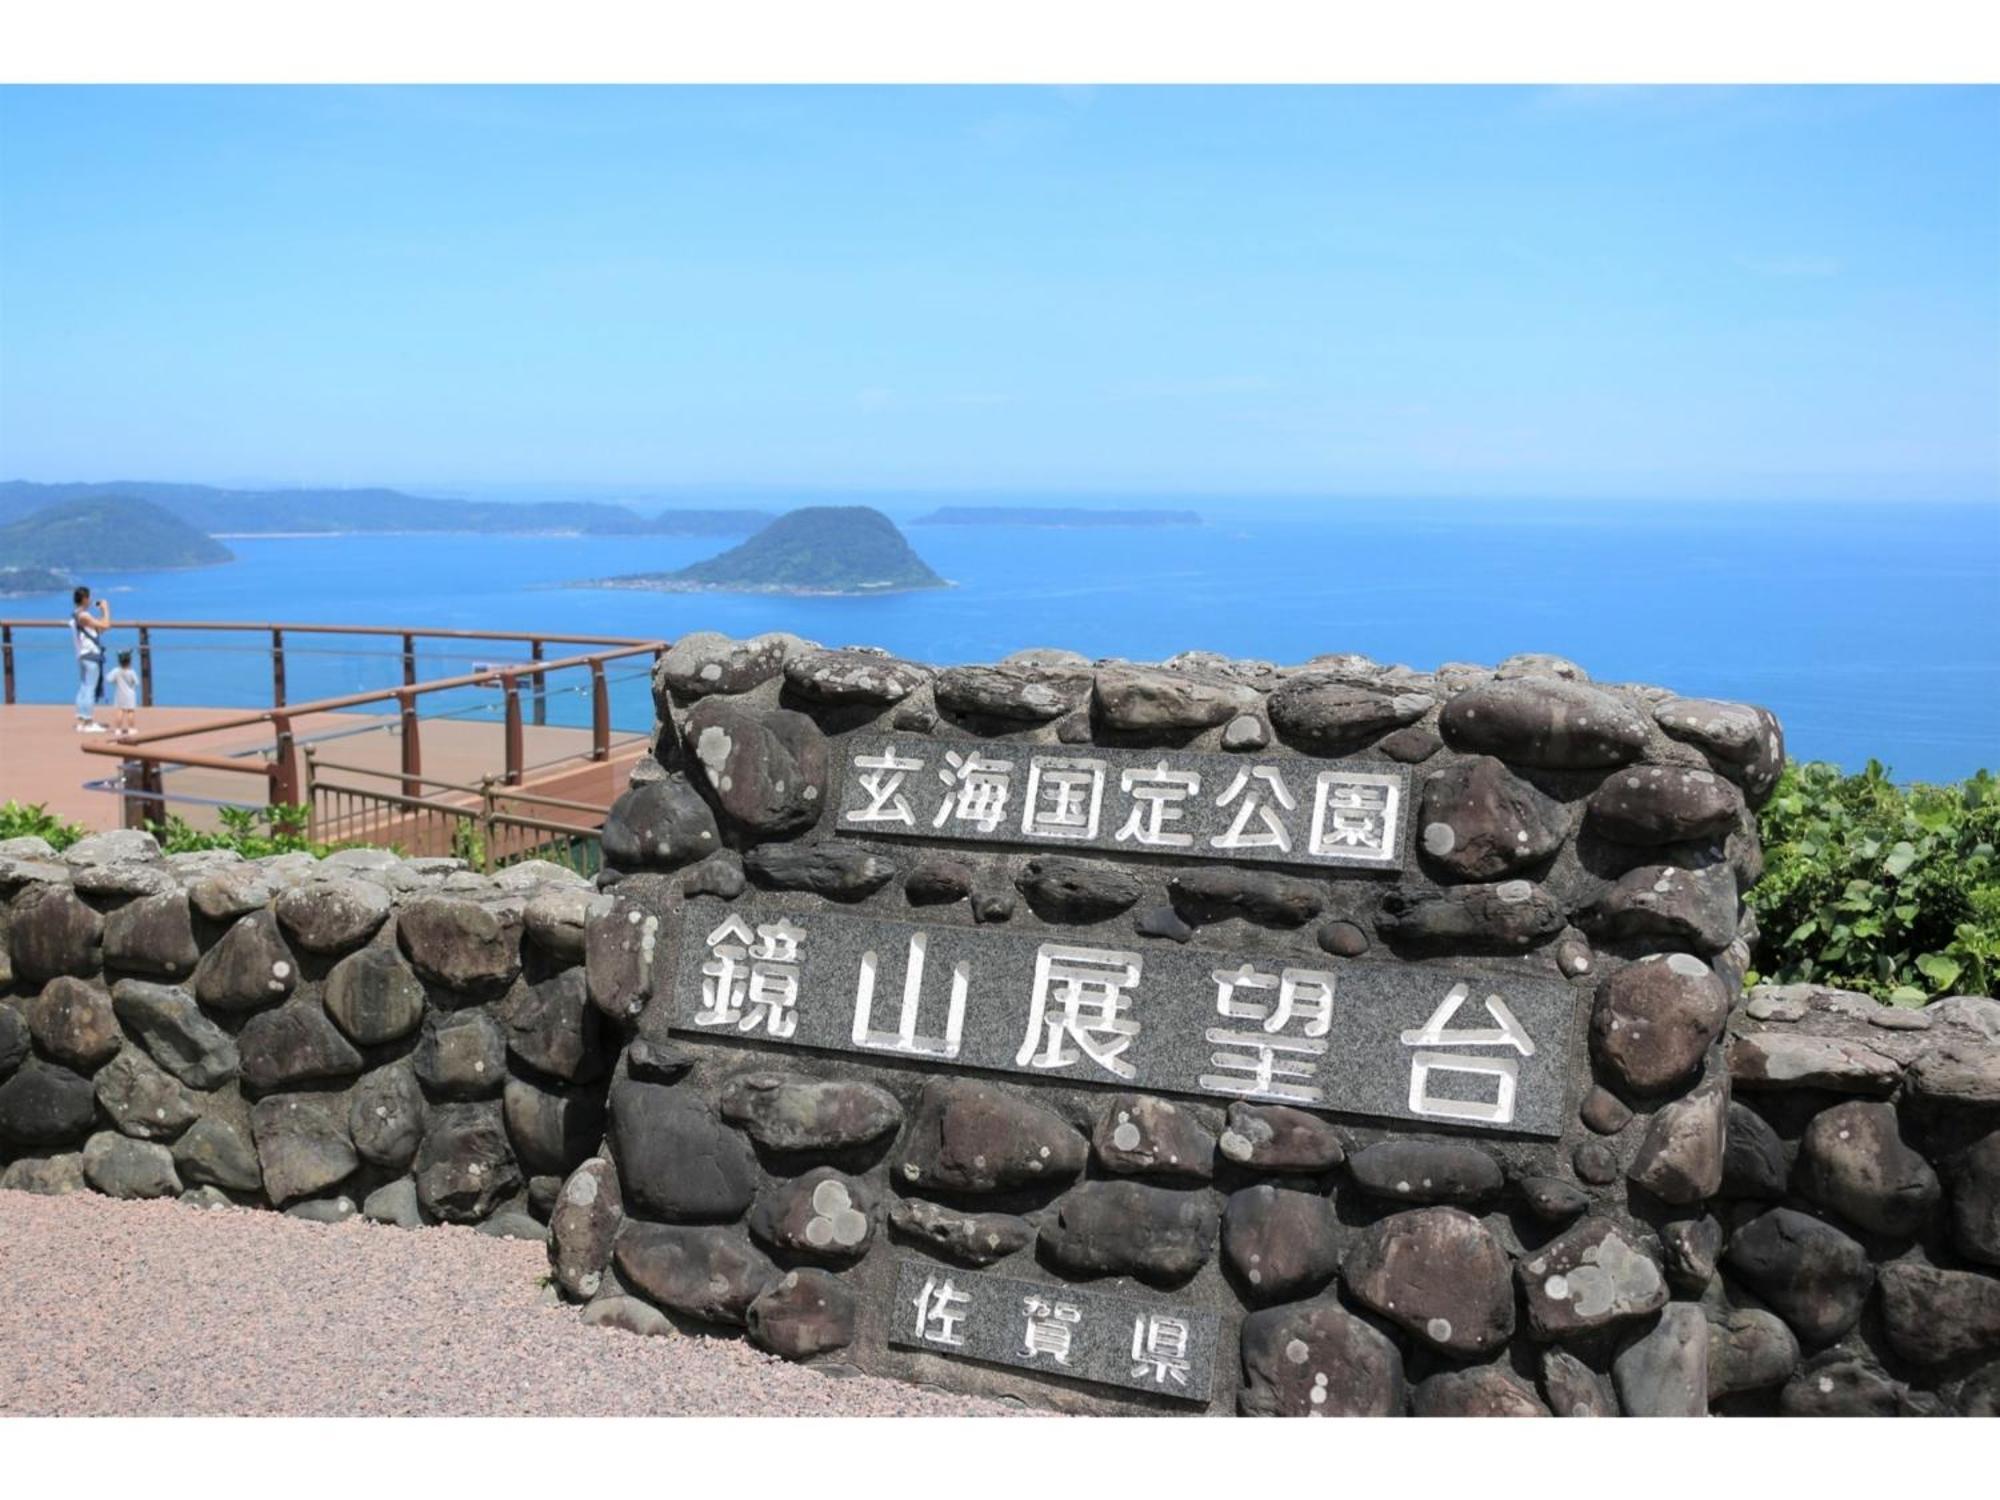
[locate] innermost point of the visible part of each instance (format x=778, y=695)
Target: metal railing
x=487, y=825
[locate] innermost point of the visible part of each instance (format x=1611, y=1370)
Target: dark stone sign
x=1443, y=1044
x=1071, y=1332
x=1288, y=810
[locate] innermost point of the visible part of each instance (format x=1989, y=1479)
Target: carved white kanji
x=751, y=979
x=1278, y=1060
x=1050, y=1329
x=882, y=780
x=1081, y=1007
x=1065, y=797
x=1504, y=1071
x=904, y=1038
x=1271, y=832
x=976, y=790
x=1157, y=794
x=941, y=1307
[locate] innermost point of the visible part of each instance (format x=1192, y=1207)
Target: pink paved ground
x=155, y=1309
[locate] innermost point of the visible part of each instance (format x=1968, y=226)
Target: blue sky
x=1784, y=293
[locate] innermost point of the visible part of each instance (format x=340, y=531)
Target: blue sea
x=1871, y=630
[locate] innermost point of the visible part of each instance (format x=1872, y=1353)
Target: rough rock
x=1318, y=1359
x=1841, y=1388
x=232, y=891
x=551, y=1129
x=44, y=1105
x=975, y=1239
x=676, y=1160
x=659, y=825
x=851, y=676
x=143, y=1099
x=1154, y=701
x=1215, y=893
x=1024, y=693
x=120, y=1167
x=708, y=1273
x=618, y=950
x=1479, y=821
x=1131, y=1229
x=704, y=662
x=1509, y=917
x=1411, y=746
x=73, y=1023
x=374, y=997
x=1282, y=1245
x=14, y=1039
x=1148, y=1135
x=1439, y=1273
x=1059, y=889
x=1543, y=722
x=1753, y=1161
x=1592, y=1277
x=1933, y=1317
x=1553, y=1200
x=657, y=1062
x=464, y=1168
x=1743, y=743
x=1690, y=1249
x=970, y=1137
x=1655, y=1020
x=1488, y=1391
x=461, y=1055
x=1794, y=1060
x=48, y=1176
x=1975, y=1201
x=1653, y=805
x=1664, y=1372
x=556, y=916
x=1680, y=1158
x=1405, y=1170
x=50, y=931
x=788, y=1112
x=587, y=1214
x=766, y=770
x=385, y=1117
x=172, y=1029
x=1749, y=1350
x=628, y=1315
x=294, y=1043
x=1161, y=922
x=251, y=967
x=394, y=1203
x=937, y=881
x=551, y=1026
x=1953, y=1074
x=824, y=1216
x=1604, y=1112
x=1853, y=1160
x=461, y=945
x=839, y=872
x=802, y=1313
x=302, y=1144
x=1695, y=909
x=1573, y=1389
x=1329, y=717
x=1595, y=1163
x=152, y=935
x=215, y=1151
x=332, y=914
x=1343, y=939
x=1277, y=1138
x=1812, y=1275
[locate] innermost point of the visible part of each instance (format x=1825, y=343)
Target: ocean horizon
x=1870, y=629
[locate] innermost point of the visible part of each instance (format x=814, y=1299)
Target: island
x=821, y=549
x=18, y=581
x=109, y=535
x=320, y=512
x=1053, y=515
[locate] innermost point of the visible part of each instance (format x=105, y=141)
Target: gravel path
x=155, y=1309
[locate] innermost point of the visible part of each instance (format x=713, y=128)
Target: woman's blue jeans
x=87, y=668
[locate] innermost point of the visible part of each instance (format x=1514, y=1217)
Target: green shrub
x=1890, y=890
x=251, y=832
x=33, y=819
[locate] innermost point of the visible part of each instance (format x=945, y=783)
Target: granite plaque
x=1287, y=810
x=1439, y=1043
x=1067, y=1331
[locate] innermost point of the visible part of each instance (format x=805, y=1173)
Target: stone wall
x=1202, y=1037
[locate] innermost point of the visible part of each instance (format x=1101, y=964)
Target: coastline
x=644, y=585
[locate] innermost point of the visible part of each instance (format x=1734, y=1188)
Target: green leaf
x=1940, y=969
x=1900, y=859
x=1803, y=931
x=1906, y=995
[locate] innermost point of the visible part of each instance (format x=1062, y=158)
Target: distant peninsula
x=1049, y=515
x=247, y=513
x=15, y=581
x=821, y=549
x=107, y=535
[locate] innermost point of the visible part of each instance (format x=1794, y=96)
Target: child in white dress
x=124, y=684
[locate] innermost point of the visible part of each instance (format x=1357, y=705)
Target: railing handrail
x=424, y=632
x=503, y=793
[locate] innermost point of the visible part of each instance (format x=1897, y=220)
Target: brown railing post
x=132, y=774
x=145, y=666
x=409, y=659
x=600, y=713
x=7, y=660
x=486, y=825
x=284, y=768
x=311, y=792
x=413, y=750
x=541, y=685
x=277, y=669
x=516, y=752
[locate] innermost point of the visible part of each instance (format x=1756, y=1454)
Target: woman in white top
x=86, y=634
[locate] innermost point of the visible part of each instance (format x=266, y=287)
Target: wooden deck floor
x=42, y=758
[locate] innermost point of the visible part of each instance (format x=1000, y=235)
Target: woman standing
x=86, y=633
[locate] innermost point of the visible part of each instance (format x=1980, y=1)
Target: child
x=125, y=694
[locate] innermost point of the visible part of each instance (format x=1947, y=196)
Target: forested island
x=109, y=535
x=821, y=549
x=311, y=512
x=17, y=581
x=1053, y=515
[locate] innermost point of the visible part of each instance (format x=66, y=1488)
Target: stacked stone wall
x=1206, y=1036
